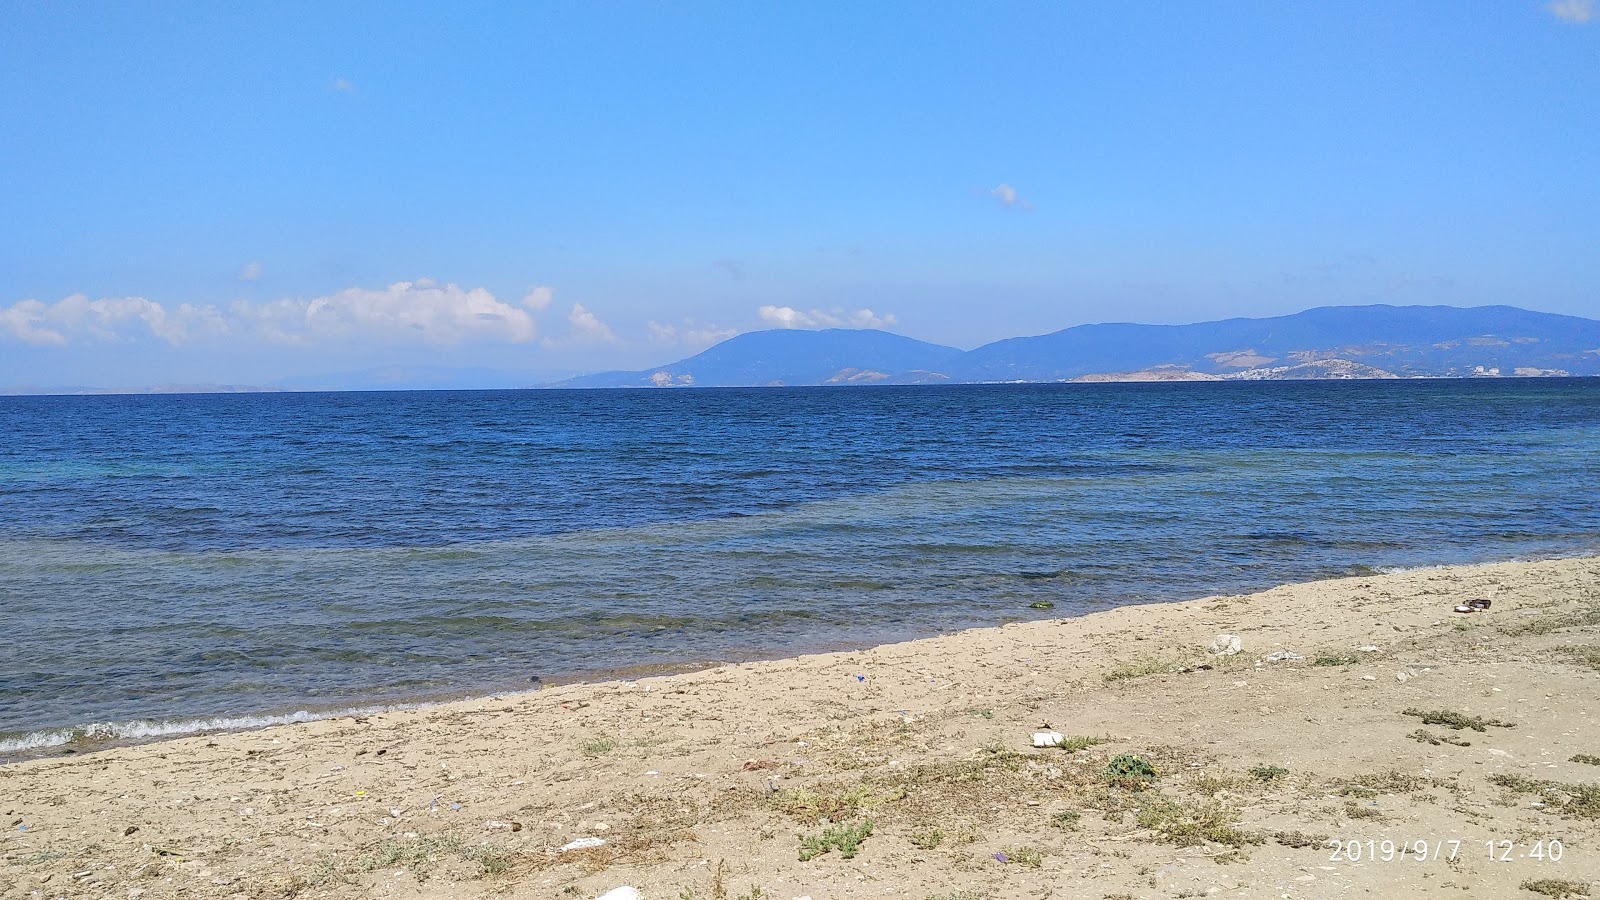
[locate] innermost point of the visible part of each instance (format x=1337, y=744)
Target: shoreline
x=928, y=739
x=98, y=736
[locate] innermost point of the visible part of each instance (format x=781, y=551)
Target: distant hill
x=793, y=357
x=1377, y=341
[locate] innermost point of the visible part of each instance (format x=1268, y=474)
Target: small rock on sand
x=1226, y=644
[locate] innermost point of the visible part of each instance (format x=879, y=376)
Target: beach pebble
x=1401, y=677
x=621, y=893
x=1048, y=738
x=1369, y=678
x=584, y=843
x=1226, y=644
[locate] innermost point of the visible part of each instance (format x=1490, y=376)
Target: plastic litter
x=621, y=893
x=1048, y=738
x=584, y=843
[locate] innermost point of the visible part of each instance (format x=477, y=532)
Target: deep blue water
x=171, y=559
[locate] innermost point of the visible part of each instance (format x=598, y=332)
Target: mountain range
x=1376, y=341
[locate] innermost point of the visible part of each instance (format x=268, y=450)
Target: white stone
x=621, y=893
x=1048, y=738
x=1226, y=644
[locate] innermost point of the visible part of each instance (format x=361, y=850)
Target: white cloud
x=690, y=334
x=419, y=311
x=584, y=327
x=538, y=297
x=250, y=271
x=110, y=319
x=789, y=317
x=1575, y=11
x=1008, y=196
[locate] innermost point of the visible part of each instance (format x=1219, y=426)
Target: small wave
x=97, y=734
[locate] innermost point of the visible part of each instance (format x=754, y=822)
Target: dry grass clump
x=1299, y=840
x=833, y=803
x=1579, y=801
x=1191, y=823
x=1556, y=887
x=420, y=855
x=1427, y=737
x=1587, y=656
x=1584, y=614
x=1372, y=784
x=1139, y=668
x=1458, y=721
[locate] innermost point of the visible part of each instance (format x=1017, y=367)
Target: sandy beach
x=1359, y=709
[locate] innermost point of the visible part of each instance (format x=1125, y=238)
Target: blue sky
x=241, y=192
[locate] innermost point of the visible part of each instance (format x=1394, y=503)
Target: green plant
x=813, y=806
x=844, y=838
x=1032, y=857
x=1587, y=759
x=1338, y=659
x=1066, y=820
x=1428, y=737
x=416, y=855
x=1589, y=656
x=599, y=746
x=492, y=861
x=1267, y=773
x=1130, y=771
x=1138, y=668
x=1577, y=800
x=1189, y=824
x=1372, y=784
x=1556, y=887
x=1356, y=811
x=1299, y=839
x=1081, y=742
x=1456, y=720
x=927, y=838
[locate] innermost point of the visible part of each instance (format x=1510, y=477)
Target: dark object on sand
x=1479, y=603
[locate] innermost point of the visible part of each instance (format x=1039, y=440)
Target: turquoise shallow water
x=169, y=564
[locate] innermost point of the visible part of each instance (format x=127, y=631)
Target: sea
x=179, y=564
